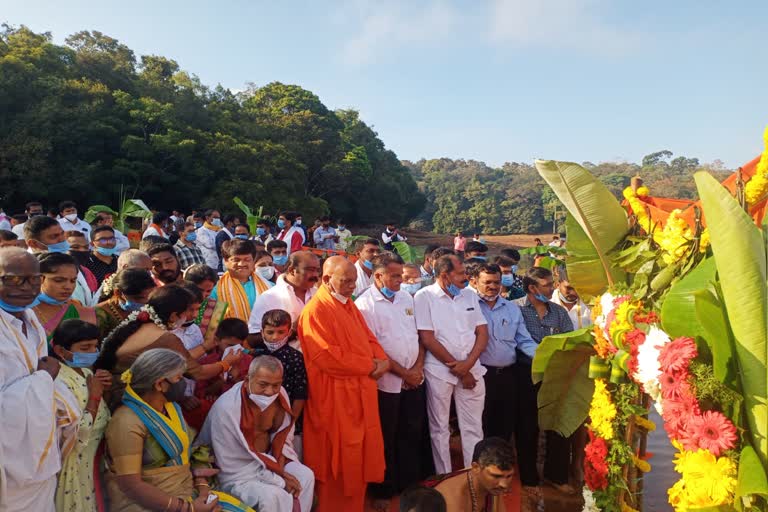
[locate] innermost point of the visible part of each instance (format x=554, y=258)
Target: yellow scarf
x=210, y=226
x=231, y=291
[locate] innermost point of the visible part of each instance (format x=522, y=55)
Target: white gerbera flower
x=589, y=501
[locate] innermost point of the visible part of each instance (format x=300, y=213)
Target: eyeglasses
x=13, y=280
x=105, y=240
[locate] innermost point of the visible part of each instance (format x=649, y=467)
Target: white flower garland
x=589, y=501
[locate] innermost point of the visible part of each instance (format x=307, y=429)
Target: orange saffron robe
x=343, y=443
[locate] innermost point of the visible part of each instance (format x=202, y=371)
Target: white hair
x=269, y=363
x=131, y=258
x=154, y=364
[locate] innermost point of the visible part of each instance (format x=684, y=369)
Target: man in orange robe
x=343, y=444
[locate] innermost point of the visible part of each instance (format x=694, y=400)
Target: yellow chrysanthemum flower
x=757, y=187
x=642, y=191
x=602, y=411
x=707, y=480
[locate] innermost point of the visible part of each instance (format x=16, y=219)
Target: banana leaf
x=752, y=482
x=551, y=344
x=678, y=312
x=250, y=218
x=96, y=209
x=713, y=322
x=593, y=206
x=740, y=255
x=566, y=391
x=585, y=270
x=544, y=249
x=131, y=208
x=409, y=253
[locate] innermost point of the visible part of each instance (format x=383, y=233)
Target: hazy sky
x=496, y=80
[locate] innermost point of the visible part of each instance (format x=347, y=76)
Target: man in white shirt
x=159, y=226
x=567, y=296
x=29, y=449
x=206, y=238
x=291, y=292
x=365, y=251
x=106, y=219
x=70, y=221
x=389, y=313
x=343, y=233
x=454, y=332
x=390, y=236
x=32, y=209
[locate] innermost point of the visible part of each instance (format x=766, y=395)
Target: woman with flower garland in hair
x=130, y=292
x=59, y=272
x=151, y=464
x=149, y=328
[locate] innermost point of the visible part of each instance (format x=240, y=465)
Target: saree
x=109, y=315
x=68, y=310
x=209, y=317
x=140, y=439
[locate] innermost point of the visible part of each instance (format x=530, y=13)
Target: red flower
x=595, y=462
x=710, y=430
x=677, y=354
x=633, y=339
x=674, y=384
x=143, y=317
x=678, y=412
x=646, y=318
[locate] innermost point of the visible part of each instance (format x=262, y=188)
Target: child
x=75, y=344
x=275, y=333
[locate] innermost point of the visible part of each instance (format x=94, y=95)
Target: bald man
x=29, y=447
x=343, y=443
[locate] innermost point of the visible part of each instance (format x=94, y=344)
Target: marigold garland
x=602, y=411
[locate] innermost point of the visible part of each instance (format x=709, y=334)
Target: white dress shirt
x=80, y=225
x=364, y=281
x=394, y=324
x=453, y=320
x=19, y=230
x=580, y=314
x=281, y=296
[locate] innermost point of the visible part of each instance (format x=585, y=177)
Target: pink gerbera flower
x=674, y=384
x=712, y=431
x=677, y=414
x=676, y=355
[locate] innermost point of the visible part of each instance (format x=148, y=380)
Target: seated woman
x=75, y=343
x=240, y=284
x=150, y=328
x=59, y=272
x=130, y=292
x=211, y=311
x=149, y=444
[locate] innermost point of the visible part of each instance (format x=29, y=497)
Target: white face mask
x=274, y=346
x=266, y=272
x=232, y=349
x=179, y=323
x=298, y=222
x=565, y=300
x=339, y=297
x=261, y=401
x=72, y=217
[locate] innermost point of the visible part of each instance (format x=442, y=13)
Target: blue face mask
x=368, y=264
x=59, y=247
x=281, y=223
x=191, y=237
x=217, y=222
x=47, y=299
x=198, y=224
x=106, y=251
x=341, y=228
x=453, y=289
x=542, y=298
x=514, y=269
x=387, y=292
x=507, y=280
x=411, y=288
x=481, y=258
x=242, y=237
x=261, y=231
x=10, y=308
x=130, y=306
x=280, y=260
x=82, y=359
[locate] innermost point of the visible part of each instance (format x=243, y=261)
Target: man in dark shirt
x=542, y=318
x=103, y=259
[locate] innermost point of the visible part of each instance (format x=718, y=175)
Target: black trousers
x=403, y=423
x=558, y=448
x=501, y=398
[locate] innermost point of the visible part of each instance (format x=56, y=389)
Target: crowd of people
x=211, y=368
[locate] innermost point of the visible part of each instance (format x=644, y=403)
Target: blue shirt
x=506, y=333
x=324, y=243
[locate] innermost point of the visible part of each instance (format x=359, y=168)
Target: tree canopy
x=88, y=121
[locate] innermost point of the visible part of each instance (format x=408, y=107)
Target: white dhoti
x=243, y=473
x=32, y=496
x=469, y=409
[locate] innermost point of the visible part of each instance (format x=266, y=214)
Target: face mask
x=280, y=260
x=481, y=258
x=72, y=217
x=179, y=323
x=453, y=289
x=191, y=237
x=217, y=222
x=106, y=251
x=507, y=280
x=261, y=231
x=176, y=391
x=368, y=264
x=542, y=298
x=387, y=292
x=82, y=359
x=130, y=306
x=563, y=298
x=488, y=298
x=262, y=401
x=81, y=257
x=9, y=308
x=242, y=237
x=274, y=346
x=339, y=297
x=198, y=224
x=514, y=269
x=298, y=222
x=281, y=223
x=59, y=247
x=411, y=288
x=266, y=272
x=47, y=299
x=342, y=228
